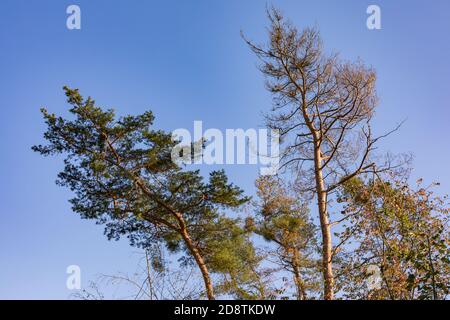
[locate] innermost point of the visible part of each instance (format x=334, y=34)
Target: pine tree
x=282, y=219
x=122, y=175
x=323, y=109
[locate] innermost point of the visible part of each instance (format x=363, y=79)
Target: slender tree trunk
x=260, y=287
x=200, y=262
x=433, y=279
x=301, y=292
x=149, y=276
x=327, y=266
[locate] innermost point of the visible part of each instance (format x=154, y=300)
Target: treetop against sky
x=187, y=62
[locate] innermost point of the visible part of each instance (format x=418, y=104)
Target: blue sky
x=186, y=61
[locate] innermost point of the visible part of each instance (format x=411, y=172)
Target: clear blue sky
x=185, y=60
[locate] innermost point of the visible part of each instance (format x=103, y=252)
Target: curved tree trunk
x=200, y=262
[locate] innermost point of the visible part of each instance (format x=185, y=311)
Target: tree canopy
x=122, y=175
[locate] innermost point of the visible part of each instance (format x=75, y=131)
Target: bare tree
x=154, y=279
x=323, y=108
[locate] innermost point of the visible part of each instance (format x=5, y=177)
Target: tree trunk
x=433, y=273
x=301, y=292
x=200, y=262
x=327, y=266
